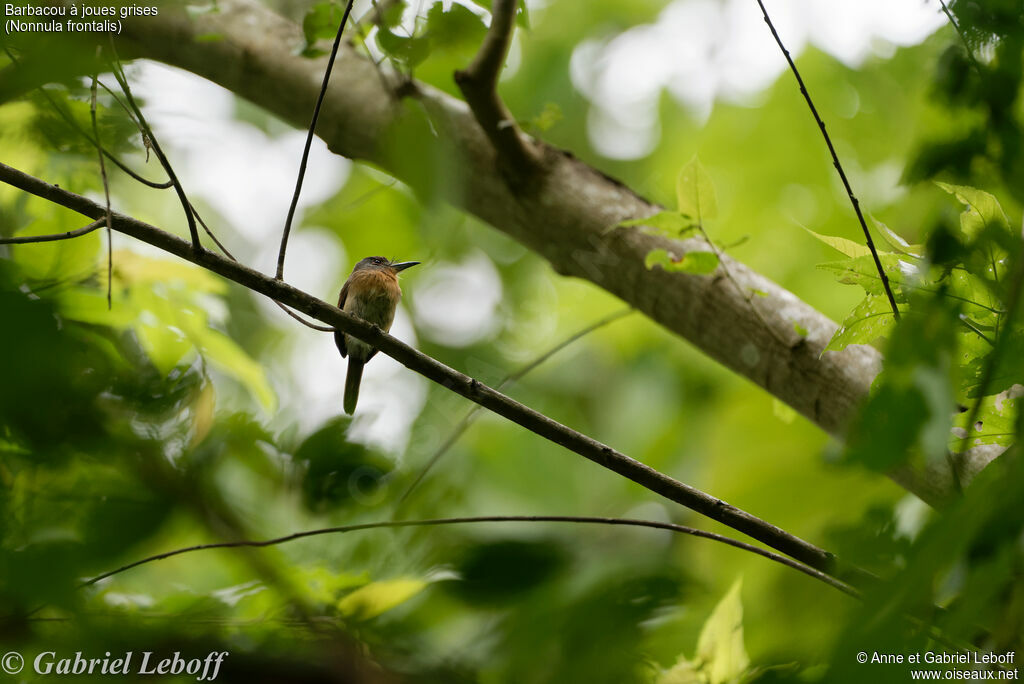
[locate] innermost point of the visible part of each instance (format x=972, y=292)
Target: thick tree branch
x=563, y=217
x=536, y=422
x=479, y=85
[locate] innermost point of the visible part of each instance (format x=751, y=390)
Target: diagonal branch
x=432, y=522
x=479, y=85
x=430, y=368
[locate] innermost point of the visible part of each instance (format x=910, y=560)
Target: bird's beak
x=402, y=265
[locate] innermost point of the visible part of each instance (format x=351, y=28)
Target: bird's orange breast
x=373, y=296
x=374, y=283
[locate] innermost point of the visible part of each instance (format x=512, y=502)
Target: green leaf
x=720, y=645
x=454, y=29
x=996, y=422
x=408, y=51
x=683, y=672
x=848, y=247
x=983, y=210
x=671, y=224
x=695, y=193
x=863, y=271
x=321, y=22
x=721, y=657
x=698, y=263
x=378, y=597
x=870, y=320
x=896, y=242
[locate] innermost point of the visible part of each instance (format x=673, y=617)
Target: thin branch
x=585, y=520
x=835, y=162
x=511, y=377
x=106, y=187
x=434, y=370
x=78, y=232
x=479, y=85
x=151, y=137
x=309, y=142
x=959, y=31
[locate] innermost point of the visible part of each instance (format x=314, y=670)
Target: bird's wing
x=339, y=337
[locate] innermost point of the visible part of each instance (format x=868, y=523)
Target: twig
x=536, y=422
x=959, y=31
x=309, y=142
x=479, y=85
x=78, y=232
x=106, y=186
x=511, y=377
x=586, y=520
x=835, y=162
x=151, y=137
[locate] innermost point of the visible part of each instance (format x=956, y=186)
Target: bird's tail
x=355, y=374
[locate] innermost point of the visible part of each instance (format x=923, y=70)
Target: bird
x=370, y=293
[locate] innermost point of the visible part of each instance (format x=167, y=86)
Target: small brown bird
x=371, y=293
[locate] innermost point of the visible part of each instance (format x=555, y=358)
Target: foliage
x=187, y=413
x=959, y=299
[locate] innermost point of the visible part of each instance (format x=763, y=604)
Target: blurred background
x=196, y=411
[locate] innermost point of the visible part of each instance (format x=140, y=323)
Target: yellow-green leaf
x=672, y=224
x=698, y=263
x=870, y=320
x=897, y=242
x=377, y=597
x=983, y=209
x=720, y=645
x=683, y=672
x=695, y=193
x=848, y=247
